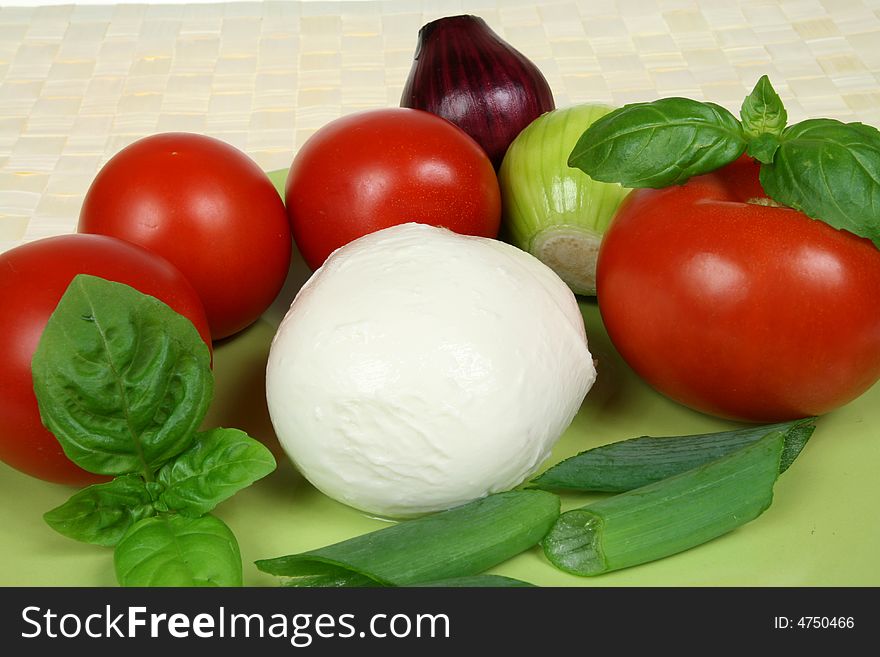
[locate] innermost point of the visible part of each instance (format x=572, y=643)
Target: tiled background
x=78, y=83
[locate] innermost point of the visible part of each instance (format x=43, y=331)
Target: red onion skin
x=467, y=74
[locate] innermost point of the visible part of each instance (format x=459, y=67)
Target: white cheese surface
x=419, y=369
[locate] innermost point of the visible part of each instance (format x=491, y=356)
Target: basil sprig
x=124, y=382
x=827, y=169
x=830, y=171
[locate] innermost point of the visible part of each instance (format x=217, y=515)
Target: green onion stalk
x=672, y=514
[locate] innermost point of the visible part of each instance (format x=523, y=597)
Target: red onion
x=469, y=75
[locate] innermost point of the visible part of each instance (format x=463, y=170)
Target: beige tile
x=23, y=181
x=237, y=102
x=271, y=120
x=140, y=103
x=685, y=20
x=12, y=229
x=72, y=68
x=236, y=64
x=865, y=104
x=158, y=64
x=181, y=122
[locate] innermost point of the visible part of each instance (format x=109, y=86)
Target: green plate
x=821, y=530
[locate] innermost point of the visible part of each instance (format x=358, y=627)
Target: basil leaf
x=763, y=118
x=657, y=144
x=121, y=379
x=830, y=171
x=220, y=463
x=763, y=148
x=102, y=513
x=175, y=550
x=762, y=111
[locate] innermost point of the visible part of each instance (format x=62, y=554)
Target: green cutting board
x=821, y=530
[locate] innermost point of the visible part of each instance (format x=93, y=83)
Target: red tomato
x=380, y=168
x=207, y=208
x=33, y=278
x=738, y=309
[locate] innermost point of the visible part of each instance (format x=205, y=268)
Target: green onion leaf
x=668, y=516
x=636, y=462
x=476, y=581
x=460, y=542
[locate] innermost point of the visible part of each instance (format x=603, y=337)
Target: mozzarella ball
x=420, y=369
